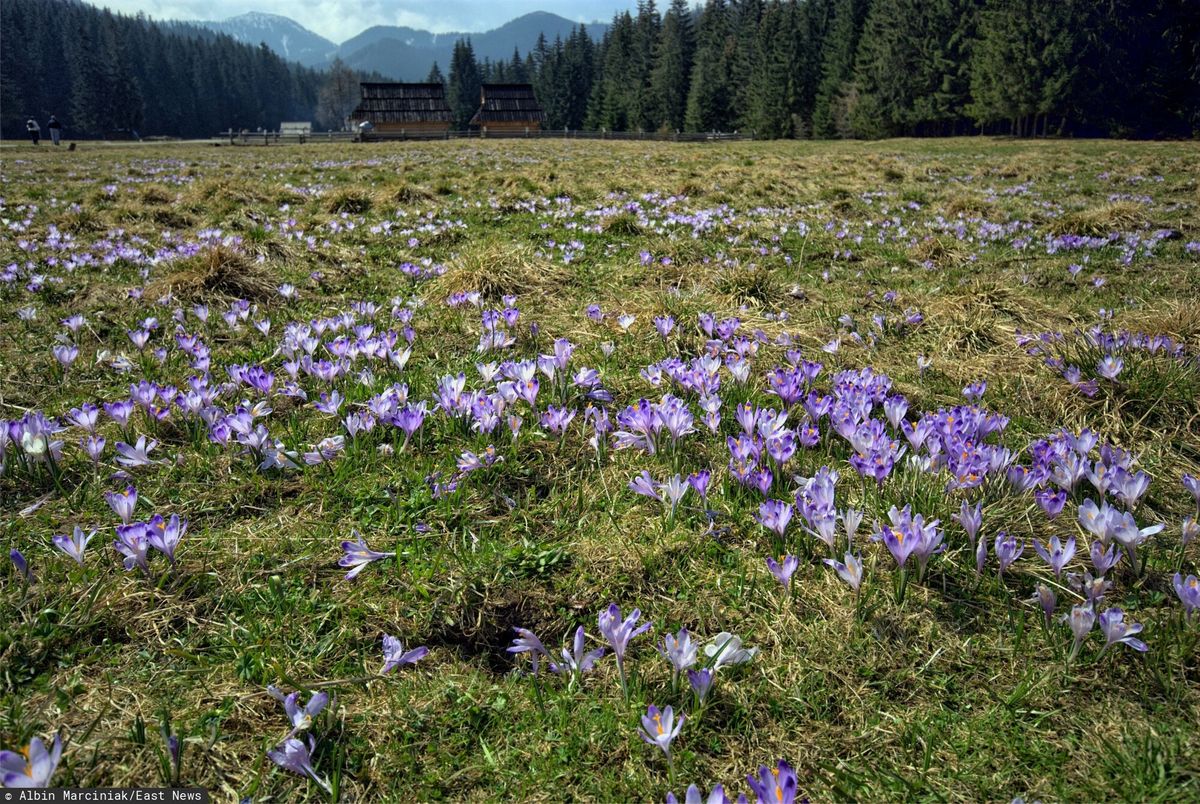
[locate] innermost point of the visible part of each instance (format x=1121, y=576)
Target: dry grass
x=498, y=270
x=216, y=273
x=956, y=694
x=1119, y=216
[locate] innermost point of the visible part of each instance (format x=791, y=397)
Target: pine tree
x=673, y=66
x=435, y=75
x=911, y=69
x=709, y=92
x=645, y=41
x=517, y=70
x=615, y=95
x=465, y=84
x=746, y=14
x=1024, y=67
x=769, y=99
x=829, y=116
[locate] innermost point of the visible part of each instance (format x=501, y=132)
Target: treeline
x=779, y=68
x=869, y=68
x=101, y=73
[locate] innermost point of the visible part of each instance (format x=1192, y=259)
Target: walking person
x=35, y=131
x=55, y=129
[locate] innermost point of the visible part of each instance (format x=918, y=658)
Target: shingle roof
x=403, y=103
x=508, y=103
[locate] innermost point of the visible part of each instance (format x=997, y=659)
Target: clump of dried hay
x=217, y=272
x=498, y=270
x=1119, y=216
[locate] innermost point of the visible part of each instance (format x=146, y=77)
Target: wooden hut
x=409, y=110
x=508, y=108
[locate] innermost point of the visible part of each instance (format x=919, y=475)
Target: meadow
x=893, y=447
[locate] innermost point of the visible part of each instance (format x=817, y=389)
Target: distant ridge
x=400, y=53
x=283, y=35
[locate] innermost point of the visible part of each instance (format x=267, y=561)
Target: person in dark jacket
x=35, y=131
x=55, y=129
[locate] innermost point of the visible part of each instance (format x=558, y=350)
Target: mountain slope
x=283, y=35
x=401, y=53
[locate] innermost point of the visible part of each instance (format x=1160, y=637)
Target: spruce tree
x=710, y=89
x=673, y=66
x=838, y=50
x=465, y=83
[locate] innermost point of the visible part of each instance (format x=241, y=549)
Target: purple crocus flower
x=851, y=571
x=119, y=411
x=21, y=565
x=894, y=408
x=1081, y=618
x=394, y=654
x=132, y=457
x=132, y=542
x=577, y=662
x=775, y=785
x=1110, y=367
x=557, y=419
x=527, y=642
x=94, y=445
x=164, y=534
x=673, y=490
x=660, y=727
x=898, y=542
x=619, y=632
x=694, y=796
x=1189, y=593
x=32, y=767
x=1124, y=529
x=123, y=503
x=783, y=569
x=1188, y=530
x=1057, y=555
x=971, y=519
x=325, y=450
x=1092, y=589
x=851, y=519
x=85, y=416
x=975, y=391
x=1008, y=549
x=699, y=481
x=701, y=682
x=65, y=354
x=1051, y=501
x=75, y=544
x=646, y=486
x=301, y=717
x=679, y=650
x=296, y=757
x=1104, y=560
x=1112, y=623
x=775, y=515
x=358, y=555
x=1192, y=484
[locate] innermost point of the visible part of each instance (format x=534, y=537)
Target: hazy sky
x=341, y=19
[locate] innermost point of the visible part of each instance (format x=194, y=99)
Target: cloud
x=339, y=20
